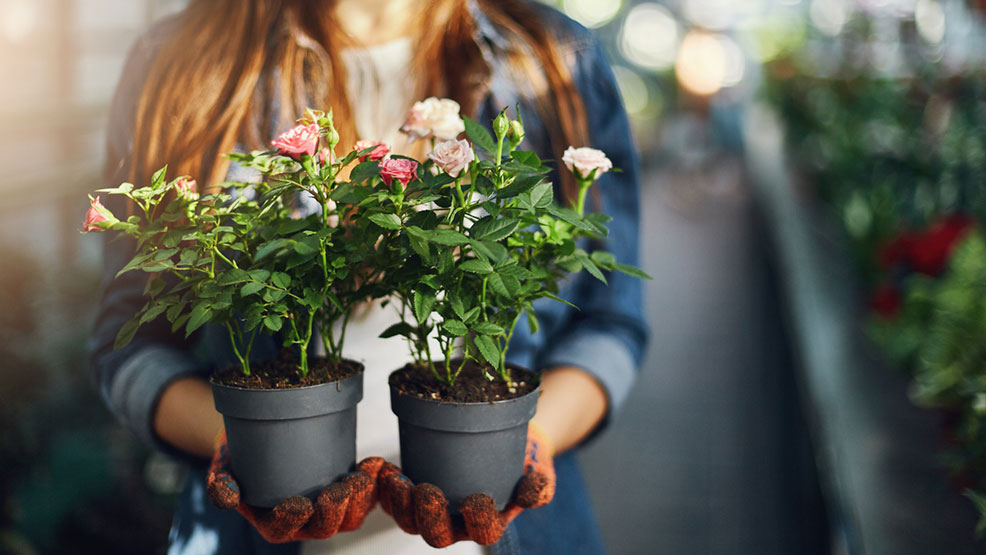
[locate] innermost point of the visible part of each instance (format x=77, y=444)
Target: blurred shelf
x=879, y=455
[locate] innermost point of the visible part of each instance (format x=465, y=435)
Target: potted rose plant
x=480, y=241
x=242, y=258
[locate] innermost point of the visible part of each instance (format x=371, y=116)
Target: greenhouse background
x=813, y=200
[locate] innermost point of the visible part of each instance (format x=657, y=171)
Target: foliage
x=475, y=251
x=242, y=257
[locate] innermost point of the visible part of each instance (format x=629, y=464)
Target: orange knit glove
x=340, y=507
x=423, y=508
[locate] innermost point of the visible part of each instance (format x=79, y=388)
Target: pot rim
x=288, y=403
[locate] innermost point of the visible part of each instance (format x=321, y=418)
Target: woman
x=227, y=74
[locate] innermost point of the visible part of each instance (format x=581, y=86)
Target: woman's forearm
x=572, y=403
x=186, y=416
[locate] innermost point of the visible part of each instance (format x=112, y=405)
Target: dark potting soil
x=470, y=387
x=282, y=373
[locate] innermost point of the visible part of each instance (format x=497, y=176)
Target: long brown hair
x=210, y=84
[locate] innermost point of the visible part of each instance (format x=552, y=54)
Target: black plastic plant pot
x=464, y=448
x=293, y=441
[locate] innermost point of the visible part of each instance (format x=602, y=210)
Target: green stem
x=233, y=335
x=583, y=188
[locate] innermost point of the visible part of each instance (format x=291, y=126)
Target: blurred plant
x=938, y=332
x=890, y=134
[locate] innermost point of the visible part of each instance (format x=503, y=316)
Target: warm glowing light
x=829, y=16
x=633, y=89
x=18, y=18
x=649, y=36
x=701, y=63
x=930, y=20
x=592, y=13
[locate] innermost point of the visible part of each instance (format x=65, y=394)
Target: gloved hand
x=423, y=508
x=340, y=507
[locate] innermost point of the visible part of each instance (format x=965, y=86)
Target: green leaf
x=153, y=312
x=251, y=288
x=490, y=250
x=260, y=275
x=490, y=229
x=479, y=135
x=386, y=221
x=126, y=333
x=526, y=157
x=487, y=347
x=603, y=259
x=532, y=321
x=631, y=271
x=476, y=266
x=273, y=322
x=455, y=327
x=423, y=303
x=589, y=265
x=234, y=275
x=305, y=248
x=154, y=287
x=448, y=237
x=364, y=171
x=471, y=315
x=520, y=185
x=456, y=301
x=420, y=245
x=157, y=178
x=542, y=195
x=400, y=328
x=554, y=297
x=496, y=283
x=270, y=247
x=487, y=328
x=483, y=185
x=200, y=315
x=281, y=279
x=570, y=216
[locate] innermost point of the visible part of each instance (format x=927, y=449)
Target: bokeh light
x=592, y=13
x=701, y=63
x=649, y=36
x=829, y=16
x=633, y=89
x=929, y=17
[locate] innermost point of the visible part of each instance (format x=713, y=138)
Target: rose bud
x=187, y=189
x=96, y=213
x=453, y=156
x=401, y=169
x=301, y=139
x=377, y=153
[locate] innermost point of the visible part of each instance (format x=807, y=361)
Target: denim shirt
x=605, y=336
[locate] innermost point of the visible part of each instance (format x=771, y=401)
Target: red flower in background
x=885, y=300
x=930, y=252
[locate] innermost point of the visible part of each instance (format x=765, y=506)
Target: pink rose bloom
x=187, y=189
x=401, y=169
x=434, y=117
x=582, y=161
x=453, y=156
x=375, y=154
x=325, y=156
x=302, y=139
x=97, y=213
